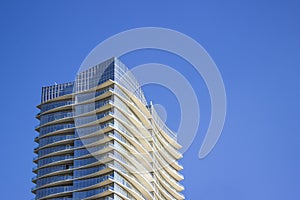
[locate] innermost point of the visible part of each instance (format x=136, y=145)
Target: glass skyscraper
x=99, y=139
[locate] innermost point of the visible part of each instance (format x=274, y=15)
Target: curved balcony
x=160, y=140
x=90, y=96
x=141, y=167
x=91, y=171
x=52, y=181
x=170, y=180
x=54, y=151
x=130, y=118
x=91, y=131
x=53, y=171
x=136, y=133
x=51, y=161
x=127, y=187
x=171, y=190
x=92, y=183
x=136, y=111
x=53, y=192
x=55, y=118
x=92, y=194
x=132, y=152
x=57, y=106
x=161, y=164
x=56, y=130
x=141, y=183
x=92, y=108
x=55, y=141
x=92, y=161
x=170, y=159
x=99, y=139
x=163, y=193
x=92, y=120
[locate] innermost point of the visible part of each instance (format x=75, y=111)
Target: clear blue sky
x=255, y=44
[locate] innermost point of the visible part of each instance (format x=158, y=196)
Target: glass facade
x=98, y=139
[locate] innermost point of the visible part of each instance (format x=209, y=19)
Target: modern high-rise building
x=99, y=139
